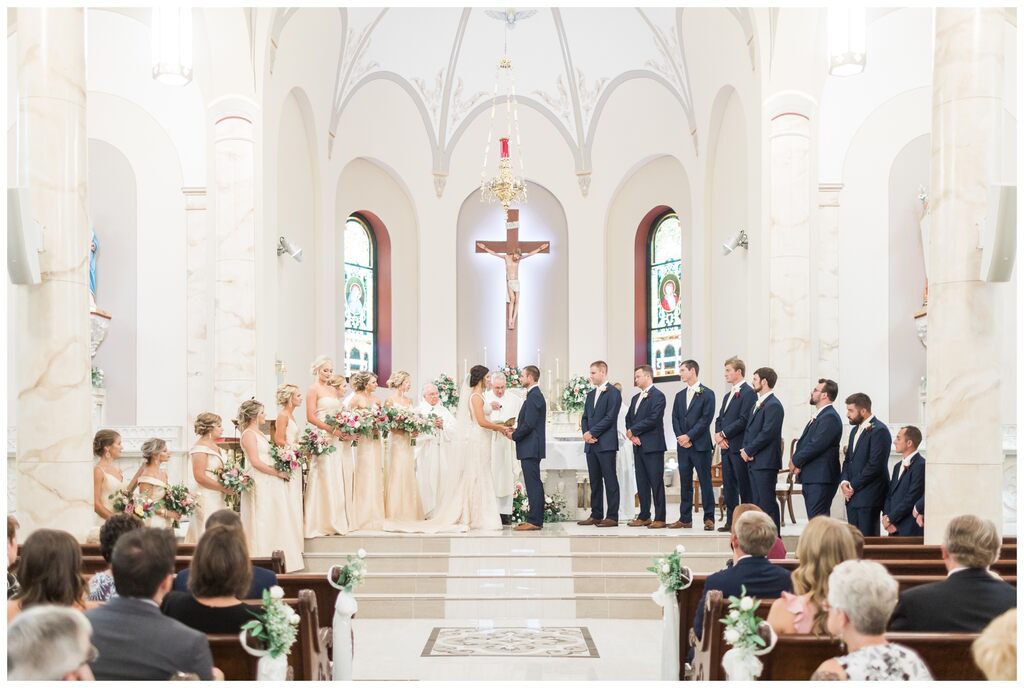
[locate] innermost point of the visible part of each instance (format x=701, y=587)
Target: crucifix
x=512, y=251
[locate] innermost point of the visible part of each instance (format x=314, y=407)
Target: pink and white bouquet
x=314, y=443
x=356, y=423
x=136, y=504
x=233, y=477
x=180, y=500
x=286, y=458
x=403, y=420
x=448, y=392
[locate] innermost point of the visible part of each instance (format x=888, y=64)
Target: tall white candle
x=485, y=356
x=465, y=369
x=558, y=370
x=538, y=359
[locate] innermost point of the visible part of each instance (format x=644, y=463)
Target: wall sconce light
x=739, y=240
x=284, y=246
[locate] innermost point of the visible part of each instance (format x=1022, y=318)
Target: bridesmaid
x=264, y=506
x=401, y=492
x=368, y=488
x=206, y=458
x=107, y=478
x=286, y=434
x=152, y=481
x=329, y=490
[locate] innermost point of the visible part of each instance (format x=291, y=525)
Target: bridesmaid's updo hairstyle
x=317, y=364
x=102, y=440
x=205, y=423
x=285, y=392
x=247, y=413
x=361, y=379
x=337, y=381
x=397, y=379
x=476, y=374
x=152, y=447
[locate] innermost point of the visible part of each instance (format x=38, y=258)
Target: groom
x=529, y=439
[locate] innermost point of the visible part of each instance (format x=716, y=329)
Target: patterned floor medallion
x=573, y=641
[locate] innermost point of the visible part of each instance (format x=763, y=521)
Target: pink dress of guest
x=802, y=609
x=778, y=550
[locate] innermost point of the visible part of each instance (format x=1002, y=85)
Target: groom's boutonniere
x=736, y=394
x=700, y=390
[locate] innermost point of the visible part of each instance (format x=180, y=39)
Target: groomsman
x=816, y=459
x=645, y=430
x=601, y=444
x=692, y=411
x=906, y=487
x=864, y=480
x=762, y=443
x=730, y=427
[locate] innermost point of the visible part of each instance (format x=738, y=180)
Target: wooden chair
x=785, y=494
x=716, y=481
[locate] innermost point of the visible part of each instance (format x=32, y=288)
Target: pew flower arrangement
x=351, y=574
x=574, y=394
x=749, y=636
x=448, y=392
x=233, y=478
x=315, y=443
x=179, y=499
x=277, y=626
x=344, y=578
x=672, y=577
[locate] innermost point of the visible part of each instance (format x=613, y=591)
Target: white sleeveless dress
x=329, y=489
x=207, y=500
x=291, y=437
x=111, y=485
x=401, y=491
x=155, y=488
x=266, y=512
x=368, y=486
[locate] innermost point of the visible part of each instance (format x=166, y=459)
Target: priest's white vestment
x=503, y=450
x=433, y=460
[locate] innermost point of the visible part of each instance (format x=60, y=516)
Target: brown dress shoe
x=636, y=523
x=607, y=523
x=526, y=526
x=676, y=524
x=657, y=524
x=687, y=524
x=588, y=522
x=709, y=524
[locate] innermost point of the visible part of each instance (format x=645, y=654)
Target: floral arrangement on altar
x=520, y=506
x=555, y=507
x=350, y=575
x=96, y=374
x=749, y=636
x=513, y=375
x=672, y=575
x=574, y=394
x=286, y=459
x=136, y=504
x=448, y=392
x=233, y=478
x=179, y=499
x=404, y=420
x=276, y=625
x=315, y=442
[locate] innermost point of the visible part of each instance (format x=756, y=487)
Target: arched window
x=664, y=267
x=360, y=296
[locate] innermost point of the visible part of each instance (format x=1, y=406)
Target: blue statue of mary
x=93, y=248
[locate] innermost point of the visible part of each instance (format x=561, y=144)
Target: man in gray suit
x=134, y=639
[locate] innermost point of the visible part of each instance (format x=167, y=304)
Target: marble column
x=826, y=266
x=54, y=446
x=234, y=311
x=789, y=230
x=200, y=287
x=965, y=457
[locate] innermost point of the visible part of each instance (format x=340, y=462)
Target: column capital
x=790, y=103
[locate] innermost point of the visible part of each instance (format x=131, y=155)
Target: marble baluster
x=54, y=447
x=965, y=458
x=200, y=289
x=826, y=263
x=234, y=318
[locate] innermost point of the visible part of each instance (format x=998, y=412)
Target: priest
x=499, y=406
x=432, y=451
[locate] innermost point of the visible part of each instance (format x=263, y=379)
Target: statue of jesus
x=512, y=276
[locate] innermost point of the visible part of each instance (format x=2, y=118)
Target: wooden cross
x=506, y=250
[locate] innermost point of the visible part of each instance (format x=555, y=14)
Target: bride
x=470, y=503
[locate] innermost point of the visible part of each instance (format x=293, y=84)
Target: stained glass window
x=360, y=296
x=664, y=277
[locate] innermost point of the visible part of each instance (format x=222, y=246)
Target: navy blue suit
x=646, y=420
x=762, y=441
x=904, y=493
x=530, y=445
x=262, y=579
x=601, y=422
x=732, y=422
x=865, y=470
x=817, y=457
x=695, y=422
x=761, y=578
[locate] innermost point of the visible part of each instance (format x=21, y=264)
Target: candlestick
x=550, y=387
x=538, y=358
x=485, y=356
x=558, y=371
x=465, y=369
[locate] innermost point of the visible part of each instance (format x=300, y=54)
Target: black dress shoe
x=726, y=528
x=506, y=519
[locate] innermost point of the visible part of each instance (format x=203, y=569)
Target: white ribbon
x=742, y=663
x=345, y=606
x=666, y=599
x=268, y=668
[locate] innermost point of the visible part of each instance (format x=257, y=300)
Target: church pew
x=917, y=567
x=94, y=563
x=707, y=656
x=325, y=594
x=932, y=552
x=916, y=540
x=308, y=660
x=182, y=550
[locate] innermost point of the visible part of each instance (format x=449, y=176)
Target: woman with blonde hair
x=107, y=478
x=152, y=481
x=205, y=459
x=368, y=480
x=995, y=650
x=824, y=544
x=266, y=507
x=329, y=487
x=401, y=492
x=286, y=434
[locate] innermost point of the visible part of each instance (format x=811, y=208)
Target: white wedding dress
x=469, y=502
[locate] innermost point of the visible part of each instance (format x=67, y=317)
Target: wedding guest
x=329, y=485
x=368, y=481
x=12, y=556
x=858, y=539
x=730, y=427
x=49, y=572
x=206, y=458
x=816, y=458
x=906, y=486
x=262, y=578
x=645, y=430
x=971, y=596
x=50, y=643
x=601, y=445
x=220, y=577
x=107, y=478
x=778, y=550
x=265, y=508
x=152, y=482
x=995, y=650
x=101, y=585
x=762, y=443
x=134, y=640
x=286, y=434
x=692, y=410
x=401, y=494
x=432, y=451
x=861, y=597
x=863, y=480
x=824, y=544
x=500, y=407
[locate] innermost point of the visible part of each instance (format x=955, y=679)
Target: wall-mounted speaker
x=24, y=238
x=999, y=234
